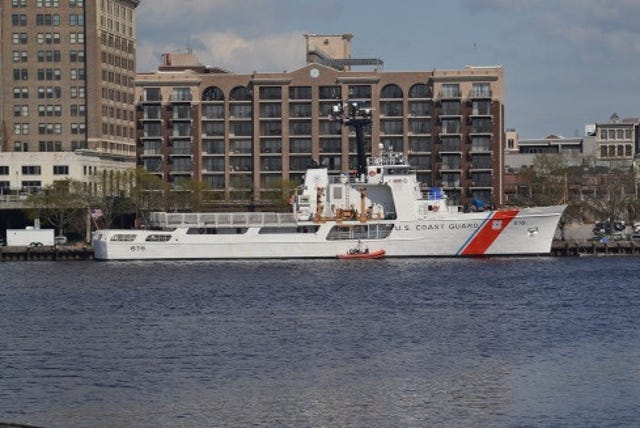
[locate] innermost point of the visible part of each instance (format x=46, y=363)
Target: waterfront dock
x=594, y=248
x=56, y=253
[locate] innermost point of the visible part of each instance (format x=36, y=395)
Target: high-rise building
x=66, y=81
x=242, y=135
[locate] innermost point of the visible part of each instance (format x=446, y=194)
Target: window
x=20, y=74
x=300, y=92
x=213, y=94
x=31, y=170
x=4, y=170
x=76, y=19
x=31, y=184
x=391, y=91
x=181, y=94
x=21, y=128
x=50, y=146
x=300, y=145
x=270, y=93
x=603, y=151
x=300, y=128
x=359, y=91
x=21, y=110
x=450, y=90
x=241, y=111
x=419, y=90
x=60, y=170
x=481, y=90
x=270, y=110
x=330, y=93
x=20, y=38
x=19, y=20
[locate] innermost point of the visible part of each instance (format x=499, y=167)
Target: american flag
x=96, y=213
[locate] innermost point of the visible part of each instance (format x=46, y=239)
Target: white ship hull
x=525, y=231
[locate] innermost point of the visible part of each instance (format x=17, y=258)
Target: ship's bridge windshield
x=399, y=170
x=387, y=158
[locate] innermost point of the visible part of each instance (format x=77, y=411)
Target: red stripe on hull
x=489, y=233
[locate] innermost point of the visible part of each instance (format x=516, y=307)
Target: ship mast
x=351, y=114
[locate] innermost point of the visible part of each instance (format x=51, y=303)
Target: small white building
x=31, y=171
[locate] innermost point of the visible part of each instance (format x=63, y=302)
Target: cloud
x=163, y=12
x=590, y=26
x=239, y=35
x=274, y=52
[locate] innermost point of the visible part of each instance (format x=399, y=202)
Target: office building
x=67, y=86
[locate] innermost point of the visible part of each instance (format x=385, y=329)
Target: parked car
x=60, y=240
x=604, y=227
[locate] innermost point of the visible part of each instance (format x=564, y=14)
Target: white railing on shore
x=248, y=219
x=13, y=198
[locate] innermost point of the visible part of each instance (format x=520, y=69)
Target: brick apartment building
x=240, y=135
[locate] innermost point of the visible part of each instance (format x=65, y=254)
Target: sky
x=567, y=63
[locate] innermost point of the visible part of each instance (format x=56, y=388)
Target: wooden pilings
x=586, y=248
x=9, y=254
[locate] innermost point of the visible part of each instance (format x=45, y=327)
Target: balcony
x=480, y=93
x=481, y=164
x=451, y=148
x=480, y=130
x=180, y=151
x=152, y=154
x=451, y=94
x=150, y=99
x=449, y=166
x=482, y=183
x=181, y=98
x=481, y=111
x=151, y=134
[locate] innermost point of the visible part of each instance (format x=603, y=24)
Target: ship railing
x=248, y=219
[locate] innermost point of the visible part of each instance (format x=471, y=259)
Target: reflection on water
x=498, y=342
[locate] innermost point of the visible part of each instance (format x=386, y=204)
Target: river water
x=513, y=342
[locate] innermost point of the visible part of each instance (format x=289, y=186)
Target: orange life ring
x=372, y=173
x=436, y=208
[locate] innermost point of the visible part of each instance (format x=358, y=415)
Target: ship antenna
x=356, y=117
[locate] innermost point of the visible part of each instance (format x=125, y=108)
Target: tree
x=278, y=194
x=61, y=204
x=148, y=193
x=188, y=195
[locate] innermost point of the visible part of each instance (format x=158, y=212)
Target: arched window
x=212, y=93
x=240, y=93
x=419, y=90
x=391, y=91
